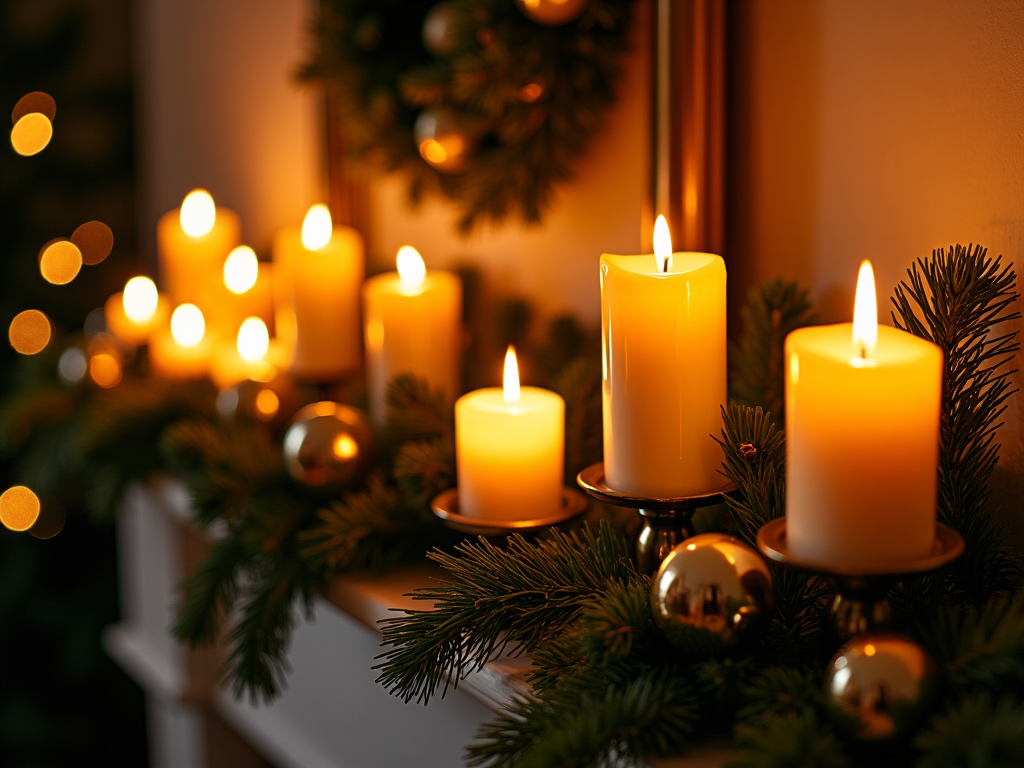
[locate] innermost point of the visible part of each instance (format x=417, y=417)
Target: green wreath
x=471, y=97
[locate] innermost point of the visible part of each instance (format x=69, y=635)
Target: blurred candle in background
x=183, y=351
x=664, y=369
x=412, y=321
x=862, y=438
x=320, y=268
x=137, y=312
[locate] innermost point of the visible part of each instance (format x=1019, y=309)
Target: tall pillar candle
x=412, y=321
x=862, y=437
x=510, y=450
x=192, y=243
x=322, y=269
x=664, y=369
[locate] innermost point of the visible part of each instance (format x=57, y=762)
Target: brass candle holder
x=861, y=604
x=667, y=520
x=445, y=507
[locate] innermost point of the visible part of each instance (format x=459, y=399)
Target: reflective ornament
x=552, y=12
x=878, y=682
x=711, y=594
x=437, y=29
x=270, y=402
x=442, y=140
x=328, y=446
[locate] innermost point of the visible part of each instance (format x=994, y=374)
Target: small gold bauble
x=442, y=140
x=270, y=402
x=712, y=593
x=437, y=29
x=328, y=446
x=878, y=682
x=552, y=13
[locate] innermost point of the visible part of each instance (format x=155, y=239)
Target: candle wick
x=863, y=351
x=664, y=266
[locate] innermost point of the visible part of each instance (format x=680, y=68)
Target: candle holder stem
x=859, y=606
x=661, y=531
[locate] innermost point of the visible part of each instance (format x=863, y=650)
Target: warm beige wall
x=218, y=107
x=878, y=129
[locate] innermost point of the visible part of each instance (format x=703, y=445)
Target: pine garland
x=530, y=96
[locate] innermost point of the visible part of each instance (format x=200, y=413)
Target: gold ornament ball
x=878, y=682
x=552, y=13
x=270, y=402
x=712, y=592
x=328, y=446
x=437, y=29
x=442, y=140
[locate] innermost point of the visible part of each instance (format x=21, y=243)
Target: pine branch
x=789, y=741
x=975, y=732
x=425, y=468
x=617, y=623
x=207, y=595
x=957, y=299
x=418, y=412
x=650, y=716
x=780, y=692
x=757, y=375
x=496, y=598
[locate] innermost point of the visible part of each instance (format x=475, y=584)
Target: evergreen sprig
x=497, y=598
x=960, y=300
x=979, y=732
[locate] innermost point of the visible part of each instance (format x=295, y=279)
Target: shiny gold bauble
x=437, y=29
x=328, y=446
x=711, y=594
x=552, y=13
x=442, y=140
x=878, y=682
x=270, y=402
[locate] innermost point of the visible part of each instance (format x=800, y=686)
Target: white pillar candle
x=664, y=373
x=412, y=321
x=321, y=269
x=862, y=437
x=510, y=450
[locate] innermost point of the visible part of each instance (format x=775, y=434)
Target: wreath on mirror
x=489, y=102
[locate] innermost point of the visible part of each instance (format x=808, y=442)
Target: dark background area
x=63, y=702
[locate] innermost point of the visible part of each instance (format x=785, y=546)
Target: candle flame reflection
x=317, y=227
x=511, y=393
x=865, y=313
x=198, y=213
x=411, y=268
x=662, y=245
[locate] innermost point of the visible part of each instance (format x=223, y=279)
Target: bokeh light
x=198, y=213
x=95, y=240
x=72, y=365
x=61, y=262
x=105, y=369
x=50, y=521
x=317, y=227
x=345, y=447
x=31, y=134
x=29, y=332
x=267, y=404
x=253, y=339
x=37, y=101
x=19, y=508
x=188, y=325
x=140, y=299
x=241, y=269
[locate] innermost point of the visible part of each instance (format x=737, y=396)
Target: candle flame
x=865, y=312
x=253, y=340
x=511, y=394
x=198, y=213
x=317, y=227
x=241, y=269
x=411, y=268
x=662, y=245
x=187, y=325
x=140, y=299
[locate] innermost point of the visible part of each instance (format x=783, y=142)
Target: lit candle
x=509, y=444
x=862, y=437
x=246, y=290
x=184, y=352
x=664, y=374
x=412, y=323
x=320, y=269
x=192, y=242
x=252, y=356
x=135, y=314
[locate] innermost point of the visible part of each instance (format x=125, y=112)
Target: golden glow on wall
x=29, y=332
